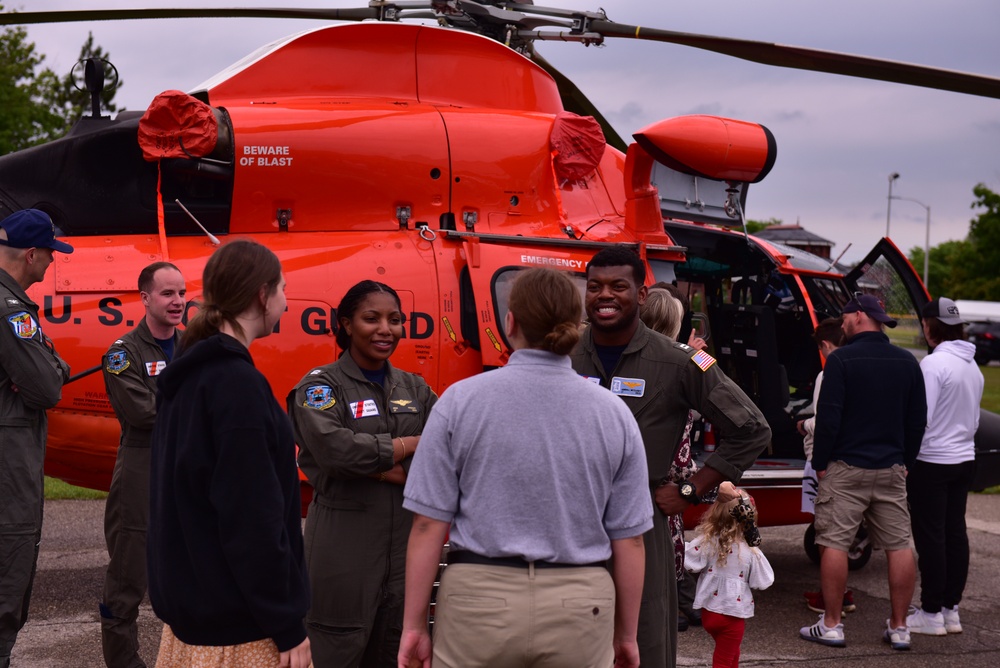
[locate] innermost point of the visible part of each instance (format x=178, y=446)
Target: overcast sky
x=838, y=138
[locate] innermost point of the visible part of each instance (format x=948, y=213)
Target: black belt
x=466, y=557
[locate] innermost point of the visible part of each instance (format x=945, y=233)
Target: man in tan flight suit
x=31, y=380
x=660, y=380
x=131, y=367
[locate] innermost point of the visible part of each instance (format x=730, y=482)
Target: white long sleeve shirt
x=726, y=589
x=954, y=386
x=809, y=424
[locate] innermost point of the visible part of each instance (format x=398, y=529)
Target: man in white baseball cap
x=939, y=481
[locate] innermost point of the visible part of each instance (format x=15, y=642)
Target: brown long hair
x=547, y=307
x=231, y=283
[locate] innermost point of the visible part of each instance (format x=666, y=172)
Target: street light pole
x=888, y=208
x=927, y=233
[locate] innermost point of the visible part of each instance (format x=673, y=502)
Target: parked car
x=986, y=337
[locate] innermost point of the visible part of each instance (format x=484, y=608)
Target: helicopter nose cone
x=712, y=147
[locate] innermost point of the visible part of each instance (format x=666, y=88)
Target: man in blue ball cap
x=870, y=420
x=31, y=379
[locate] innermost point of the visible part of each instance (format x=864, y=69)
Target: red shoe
x=814, y=601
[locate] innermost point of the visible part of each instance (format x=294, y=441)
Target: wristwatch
x=689, y=492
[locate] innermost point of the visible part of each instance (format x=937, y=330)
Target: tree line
x=970, y=268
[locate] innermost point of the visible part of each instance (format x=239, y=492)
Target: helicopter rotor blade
x=81, y=15
x=525, y=20
x=817, y=60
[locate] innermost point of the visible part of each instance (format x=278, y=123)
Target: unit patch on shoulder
x=403, y=406
x=628, y=387
x=154, y=368
x=319, y=397
x=117, y=362
x=703, y=360
x=363, y=409
x=24, y=325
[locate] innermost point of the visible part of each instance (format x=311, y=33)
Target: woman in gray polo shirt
x=540, y=476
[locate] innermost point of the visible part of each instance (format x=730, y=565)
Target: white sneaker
x=899, y=638
x=925, y=623
x=818, y=632
x=951, y=622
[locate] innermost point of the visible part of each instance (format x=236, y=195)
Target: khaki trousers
x=501, y=616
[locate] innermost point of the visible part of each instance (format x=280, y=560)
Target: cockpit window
x=801, y=259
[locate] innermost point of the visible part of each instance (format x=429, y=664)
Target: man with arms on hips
x=869, y=422
x=939, y=481
x=660, y=381
x=31, y=378
x=131, y=367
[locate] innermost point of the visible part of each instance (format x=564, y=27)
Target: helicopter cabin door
x=886, y=273
x=492, y=264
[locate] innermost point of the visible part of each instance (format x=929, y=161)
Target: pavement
x=63, y=630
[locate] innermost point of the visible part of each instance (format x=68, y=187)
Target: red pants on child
x=728, y=634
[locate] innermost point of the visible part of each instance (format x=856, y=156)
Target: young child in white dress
x=725, y=552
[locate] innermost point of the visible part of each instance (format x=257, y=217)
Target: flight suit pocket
x=727, y=403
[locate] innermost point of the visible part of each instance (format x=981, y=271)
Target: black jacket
x=224, y=546
x=872, y=407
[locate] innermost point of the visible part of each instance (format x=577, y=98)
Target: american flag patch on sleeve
x=703, y=360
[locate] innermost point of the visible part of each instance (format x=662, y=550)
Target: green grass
x=56, y=489
x=991, y=391
x=907, y=334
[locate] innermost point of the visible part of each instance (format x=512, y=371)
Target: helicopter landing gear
x=857, y=556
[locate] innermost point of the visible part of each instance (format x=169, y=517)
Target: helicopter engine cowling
x=723, y=149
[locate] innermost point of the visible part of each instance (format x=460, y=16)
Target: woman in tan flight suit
x=358, y=422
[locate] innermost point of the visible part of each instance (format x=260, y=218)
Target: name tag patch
x=319, y=397
x=154, y=368
x=363, y=409
x=24, y=325
x=117, y=362
x=628, y=387
x=593, y=379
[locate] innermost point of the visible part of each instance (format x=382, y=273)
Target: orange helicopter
x=467, y=159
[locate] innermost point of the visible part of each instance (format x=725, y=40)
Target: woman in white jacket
x=939, y=482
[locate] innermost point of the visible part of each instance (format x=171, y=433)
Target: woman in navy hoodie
x=226, y=566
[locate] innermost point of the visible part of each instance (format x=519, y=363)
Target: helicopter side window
x=468, y=316
x=503, y=281
x=827, y=295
